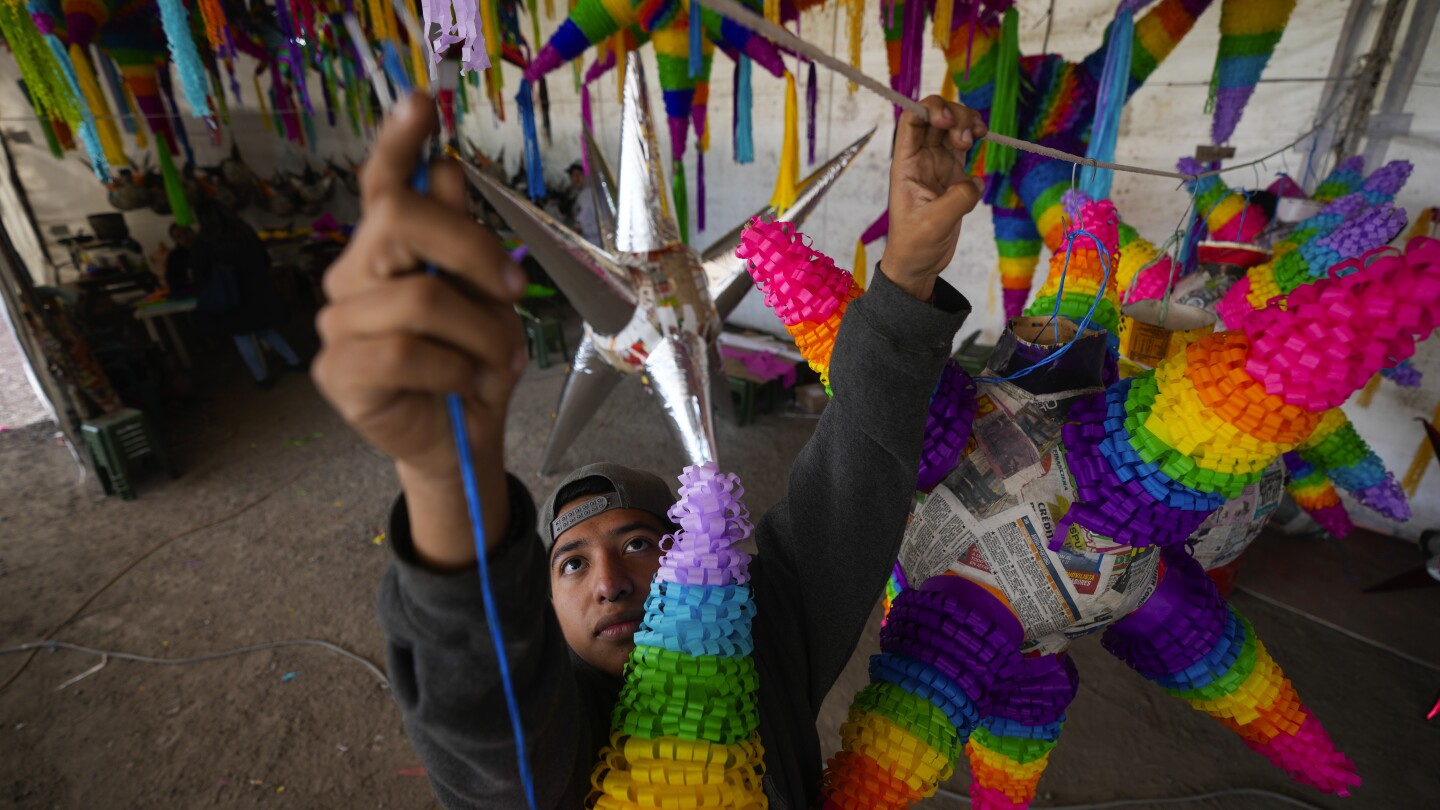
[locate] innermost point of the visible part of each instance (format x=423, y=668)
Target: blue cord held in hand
x=420, y=181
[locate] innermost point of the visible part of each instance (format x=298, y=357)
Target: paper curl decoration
x=459, y=24
x=1361, y=218
x=1078, y=283
x=1314, y=492
x=1230, y=215
x=802, y=285
x=1249, y=32
x=685, y=732
x=1336, y=451
x=1150, y=459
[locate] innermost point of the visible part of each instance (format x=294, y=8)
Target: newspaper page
x=938, y=535
x=1058, y=596
x=1226, y=534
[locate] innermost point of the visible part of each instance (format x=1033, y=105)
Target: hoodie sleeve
x=445, y=674
x=831, y=543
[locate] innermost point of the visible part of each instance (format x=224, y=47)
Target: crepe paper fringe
x=1404, y=375
x=1199, y=649
x=949, y=652
x=685, y=731
x=84, y=121
x=681, y=196
x=855, y=30
x=459, y=23
x=534, y=167
x=1109, y=104
x=50, y=82
x=193, y=78
x=812, y=99
x=1316, y=494
x=787, y=178
x=1229, y=214
x=1420, y=462
x=804, y=287
x=1327, y=243
x=744, y=105
x=1249, y=32
x=1077, y=275
x=1004, y=110
x=1339, y=453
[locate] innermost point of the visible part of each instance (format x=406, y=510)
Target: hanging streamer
x=123, y=110
x=812, y=98
x=682, y=199
x=1114, y=89
x=855, y=19
x=744, y=137
x=174, y=189
x=534, y=170
x=1003, y=113
x=696, y=44
x=700, y=189
x=104, y=119
x=789, y=174
x=176, y=21
x=944, y=23
x=46, y=86
x=84, y=120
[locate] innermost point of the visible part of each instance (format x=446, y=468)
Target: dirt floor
x=18, y=405
x=272, y=532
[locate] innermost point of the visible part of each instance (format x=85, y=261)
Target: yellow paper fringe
x=789, y=175
x=109, y=134
x=772, y=11
x=1367, y=394
x=856, y=20
x=944, y=15
x=260, y=99
x=861, y=266
x=1421, y=462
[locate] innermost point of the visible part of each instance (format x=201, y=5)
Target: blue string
x=696, y=44
x=1084, y=322
x=420, y=182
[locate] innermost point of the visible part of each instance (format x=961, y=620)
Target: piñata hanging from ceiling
x=1249, y=32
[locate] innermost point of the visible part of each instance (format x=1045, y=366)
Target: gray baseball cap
x=623, y=488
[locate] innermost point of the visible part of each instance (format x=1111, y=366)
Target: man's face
x=600, y=574
x=577, y=178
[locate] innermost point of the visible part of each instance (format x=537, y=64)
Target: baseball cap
x=622, y=488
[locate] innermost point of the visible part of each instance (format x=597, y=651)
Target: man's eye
x=638, y=544
x=572, y=565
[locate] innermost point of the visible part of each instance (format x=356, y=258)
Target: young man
x=586, y=219
x=396, y=340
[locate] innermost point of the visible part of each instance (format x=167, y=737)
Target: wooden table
x=150, y=313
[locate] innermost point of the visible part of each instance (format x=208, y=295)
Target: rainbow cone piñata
x=685, y=732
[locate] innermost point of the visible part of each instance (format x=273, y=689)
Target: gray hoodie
x=826, y=550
